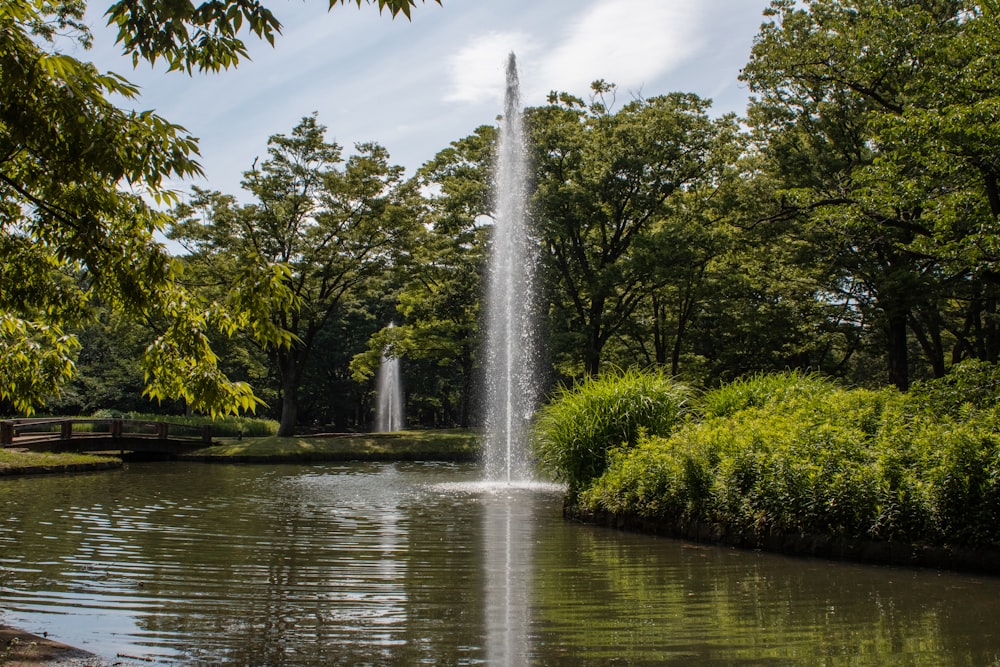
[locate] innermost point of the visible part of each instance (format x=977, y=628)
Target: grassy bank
x=444, y=445
x=405, y=446
x=798, y=455
x=21, y=462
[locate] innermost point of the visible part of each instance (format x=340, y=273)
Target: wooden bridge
x=103, y=435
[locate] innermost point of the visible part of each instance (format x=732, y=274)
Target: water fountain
x=389, y=413
x=511, y=392
x=511, y=386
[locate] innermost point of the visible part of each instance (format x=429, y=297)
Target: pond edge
x=872, y=552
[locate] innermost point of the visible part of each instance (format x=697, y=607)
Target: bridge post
x=161, y=430
x=6, y=433
x=206, y=433
x=116, y=428
x=66, y=430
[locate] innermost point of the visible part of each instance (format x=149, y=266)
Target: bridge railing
x=53, y=428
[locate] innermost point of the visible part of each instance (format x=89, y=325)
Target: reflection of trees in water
x=314, y=577
x=332, y=571
x=444, y=580
x=666, y=599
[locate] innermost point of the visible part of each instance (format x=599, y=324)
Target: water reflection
x=507, y=559
x=415, y=563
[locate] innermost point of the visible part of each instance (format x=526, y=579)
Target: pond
x=416, y=563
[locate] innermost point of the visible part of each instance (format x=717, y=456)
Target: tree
x=681, y=250
x=866, y=109
x=80, y=183
x=75, y=226
x=605, y=180
x=329, y=229
x=439, y=298
x=206, y=36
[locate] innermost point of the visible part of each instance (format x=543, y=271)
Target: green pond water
x=386, y=564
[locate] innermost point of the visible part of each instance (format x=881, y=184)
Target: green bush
x=223, y=427
x=961, y=460
x=762, y=389
x=827, y=460
x=801, y=463
x=574, y=433
x=968, y=386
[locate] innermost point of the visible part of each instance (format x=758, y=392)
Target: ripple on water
x=420, y=563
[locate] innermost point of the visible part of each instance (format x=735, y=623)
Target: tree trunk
x=926, y=327
x=659, y=345
x=592, y=353
x=684, y=315
x=899, y=372
x=289, y=413
x=591, y=358
x=289, y=373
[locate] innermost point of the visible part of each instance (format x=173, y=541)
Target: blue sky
x=415, y=86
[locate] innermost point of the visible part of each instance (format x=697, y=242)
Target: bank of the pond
x=443, y=445
x=23, y=462
x=871, y=552
x=402, y=446
x=23, y=649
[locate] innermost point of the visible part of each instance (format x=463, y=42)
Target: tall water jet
x=511, y=386
x=389, y=414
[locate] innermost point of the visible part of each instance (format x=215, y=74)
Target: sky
x=415, y=86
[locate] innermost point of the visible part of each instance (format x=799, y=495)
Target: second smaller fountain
x=389, y=413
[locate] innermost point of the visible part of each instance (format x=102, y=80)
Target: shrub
x=658, y=478
x=969, y=385
x=228, y=426
x=827, y=460
x=574, y=433
x=777, y=461
x=762, y=389
x=961, y=464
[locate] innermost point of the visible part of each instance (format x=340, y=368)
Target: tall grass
x=574, y=433
x=762, y=389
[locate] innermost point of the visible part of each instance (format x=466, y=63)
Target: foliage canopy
x=81, y=183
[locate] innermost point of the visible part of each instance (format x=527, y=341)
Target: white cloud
x=477, y=68
x=626, y=42
x=415, y=86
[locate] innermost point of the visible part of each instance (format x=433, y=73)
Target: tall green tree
x=330, y=224
x=606, y=180
x=885, y=149
x=438, y=302
x=76, y=230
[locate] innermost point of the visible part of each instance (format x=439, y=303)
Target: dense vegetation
x=229, y=426
x=846, y=225
x=796, y=454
